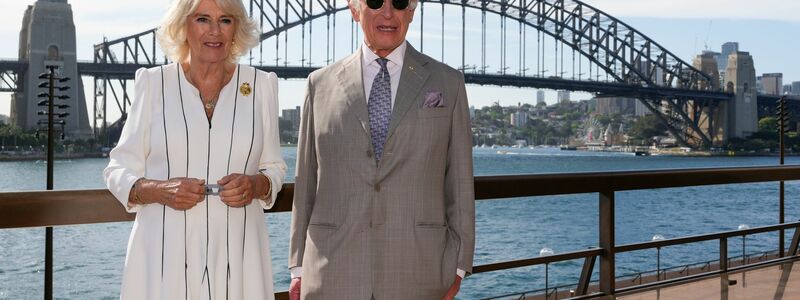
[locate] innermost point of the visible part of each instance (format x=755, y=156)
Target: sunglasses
x=397, y=4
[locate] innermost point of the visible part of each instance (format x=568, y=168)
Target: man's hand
x=452, y=292
x=294, y=289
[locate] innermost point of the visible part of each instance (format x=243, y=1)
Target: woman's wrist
x=262, y=186
x=134, y=197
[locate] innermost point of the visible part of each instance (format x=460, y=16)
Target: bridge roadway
x=127, y=71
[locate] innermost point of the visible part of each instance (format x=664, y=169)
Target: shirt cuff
x=461, y=273
x=297, y=272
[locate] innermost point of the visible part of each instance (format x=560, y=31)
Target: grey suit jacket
x=394, y=229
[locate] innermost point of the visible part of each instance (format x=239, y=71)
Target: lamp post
x=546, y=252
x=49, y=101
x=744, y=241
x=658, y=237
x=783, y=126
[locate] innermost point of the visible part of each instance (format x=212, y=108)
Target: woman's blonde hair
x=172, y=32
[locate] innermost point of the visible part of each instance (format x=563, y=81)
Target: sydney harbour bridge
x=547, y=44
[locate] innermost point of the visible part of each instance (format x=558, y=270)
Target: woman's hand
x=178, y=193
x=238, y=190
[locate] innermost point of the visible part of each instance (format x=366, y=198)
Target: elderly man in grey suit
x=384, y=206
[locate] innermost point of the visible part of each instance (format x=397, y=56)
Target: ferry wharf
x=771, y=275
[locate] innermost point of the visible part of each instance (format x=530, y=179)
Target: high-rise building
x=787, y=89
x=540, y=97
x=640, y=110
x=759, y=86
x=727, y=49
x=722, y=59
x=615, y=105
x=772, y=83
x=519, y=119
x=293, y=115
x=563, y=96
x=796, y=87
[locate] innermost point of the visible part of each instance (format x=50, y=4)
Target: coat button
x=377, y=187
x=369, y=153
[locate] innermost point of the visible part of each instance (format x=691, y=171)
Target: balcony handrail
x=703, y=237
x=71, y=207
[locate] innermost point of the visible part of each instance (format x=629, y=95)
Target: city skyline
x=759, y=30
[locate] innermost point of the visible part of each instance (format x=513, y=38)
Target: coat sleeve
x=271, y=163
x=459, y=181
x=128, y=158
x=305, y=180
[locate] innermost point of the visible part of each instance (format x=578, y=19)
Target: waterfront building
x=772, y=83
x=616, y=105
x=293, y=115
x=540, y=98
x=563, y=96
x=519, y=118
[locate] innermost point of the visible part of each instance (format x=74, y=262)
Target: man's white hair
x=412, y=4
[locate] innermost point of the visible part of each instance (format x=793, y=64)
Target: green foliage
x=647, y=127
x=768, y=124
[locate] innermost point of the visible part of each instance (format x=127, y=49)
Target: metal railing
x=68, y=207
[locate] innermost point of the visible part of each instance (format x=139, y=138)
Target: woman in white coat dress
x=198, y=161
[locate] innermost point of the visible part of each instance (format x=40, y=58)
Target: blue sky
x=768, y=29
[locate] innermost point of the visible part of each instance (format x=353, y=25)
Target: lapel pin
x=245, y=89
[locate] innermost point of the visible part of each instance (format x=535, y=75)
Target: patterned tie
x=380, y=108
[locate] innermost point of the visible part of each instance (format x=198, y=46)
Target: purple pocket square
x=433, y=100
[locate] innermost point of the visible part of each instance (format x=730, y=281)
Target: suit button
x=377, y=187
x=369, y=153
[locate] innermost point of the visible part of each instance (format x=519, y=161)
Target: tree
x=647, y=127
x=768, y=124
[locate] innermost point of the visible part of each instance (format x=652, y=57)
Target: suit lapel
x=350, y=79
x=412, y=79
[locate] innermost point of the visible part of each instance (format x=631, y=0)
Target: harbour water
x=88, y=259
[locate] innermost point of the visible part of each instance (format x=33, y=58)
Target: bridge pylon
x=710, y=116
x=47, y=38
x=740, y=79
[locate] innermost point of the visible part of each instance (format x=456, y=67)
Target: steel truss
x=626, y=55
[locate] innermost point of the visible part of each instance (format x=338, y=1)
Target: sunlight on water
x=89, y=258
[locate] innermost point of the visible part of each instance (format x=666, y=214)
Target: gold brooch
x=245, y=89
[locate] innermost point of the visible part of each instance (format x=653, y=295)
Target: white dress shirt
x=369, y=69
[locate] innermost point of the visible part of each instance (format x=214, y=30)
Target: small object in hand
x=213, y=189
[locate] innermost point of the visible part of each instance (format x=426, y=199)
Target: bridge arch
x=640, y=67
x=623, y=52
